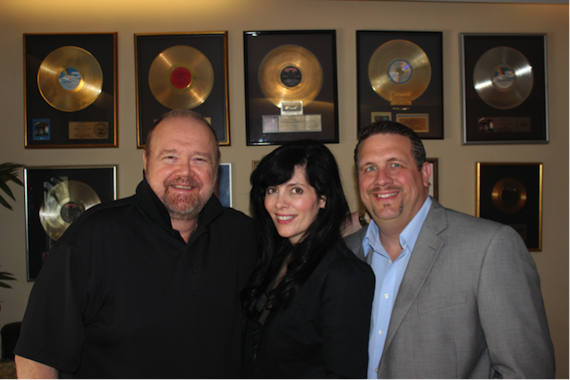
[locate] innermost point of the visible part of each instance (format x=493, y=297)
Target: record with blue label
x=503, y=77
x=399, y=71
x=70, y=79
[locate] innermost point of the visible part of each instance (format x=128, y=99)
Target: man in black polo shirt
x=147, y=286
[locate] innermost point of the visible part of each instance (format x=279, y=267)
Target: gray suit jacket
x=469, y=305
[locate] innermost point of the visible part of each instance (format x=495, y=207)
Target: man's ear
x=426, y=174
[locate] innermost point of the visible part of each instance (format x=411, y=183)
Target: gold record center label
x=399, y=71
x=181, y=77
x=70, y=79
x=290, y=73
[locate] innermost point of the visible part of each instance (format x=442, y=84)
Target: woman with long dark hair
x=309, y=295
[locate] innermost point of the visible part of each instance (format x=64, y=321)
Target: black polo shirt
x=123, y=296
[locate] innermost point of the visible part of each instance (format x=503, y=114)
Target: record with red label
x=181, y=77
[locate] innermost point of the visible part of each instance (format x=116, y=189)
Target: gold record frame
x=38, y=182
x=299, y=68
x=70, y=90
x=511, y=193
x=199, y=47
x=414, y=50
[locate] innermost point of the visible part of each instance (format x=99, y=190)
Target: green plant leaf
x=8, y=173
x=4, y=203
x=6, y=276
x=7, y=190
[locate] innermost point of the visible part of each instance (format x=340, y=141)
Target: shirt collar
x=408, y=237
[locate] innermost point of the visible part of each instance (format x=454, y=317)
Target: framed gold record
x=182, y=71
x=504, y=88
x=70, y=88
x=290, y=73
x=55, y=198
x=291, y=87
x=400, y=76
x=511, y=193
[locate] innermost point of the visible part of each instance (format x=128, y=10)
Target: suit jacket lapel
x=423, y=256
x=354, y=243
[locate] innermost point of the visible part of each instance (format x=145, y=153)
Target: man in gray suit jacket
x=456, y=296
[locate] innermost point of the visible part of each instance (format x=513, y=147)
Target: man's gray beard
x=190, y=211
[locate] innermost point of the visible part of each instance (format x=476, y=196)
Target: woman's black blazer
x=324, y=330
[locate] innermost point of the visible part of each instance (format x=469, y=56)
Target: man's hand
x=29, y=369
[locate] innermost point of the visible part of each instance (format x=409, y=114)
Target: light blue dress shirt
x=389, y=275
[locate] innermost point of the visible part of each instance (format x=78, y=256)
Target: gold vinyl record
x=399, y=71
x=509, y=195
x=181, y=77
x=290, y=73
x=503, y=77
x=70, y=78
x=63, y=204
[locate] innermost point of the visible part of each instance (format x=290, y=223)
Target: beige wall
x=456, y=162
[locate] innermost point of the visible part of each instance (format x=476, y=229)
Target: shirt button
x=386, y=295
x=381, y=332
x=375, y=369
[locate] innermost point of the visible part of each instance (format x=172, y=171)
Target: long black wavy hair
x=275, y=169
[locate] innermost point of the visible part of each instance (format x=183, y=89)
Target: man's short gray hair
x=180, y=114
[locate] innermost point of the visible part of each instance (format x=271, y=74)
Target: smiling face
x=182, y=165
x=391, y=186
x=293, y=206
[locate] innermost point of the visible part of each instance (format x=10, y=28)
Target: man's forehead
x=385, y=141
x=196, y=152
x=182, y=122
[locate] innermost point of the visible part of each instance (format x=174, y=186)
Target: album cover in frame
x=182, y=71
x=70, y=90
x=511, y=193
x=504, y=88
x=54, y=198
x=400, y=78
x=290, y=86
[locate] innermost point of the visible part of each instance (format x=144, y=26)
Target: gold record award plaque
x=70, y=79
x=181, y=77
x=399, y=71
x=63, y=204
x=290, y=73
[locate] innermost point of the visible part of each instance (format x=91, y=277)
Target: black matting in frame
x=511, y=193
x=425, y=115
x=91, y=127
x=215, y=107
x=324, y=107
x=485, y=123
x=45, y=185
